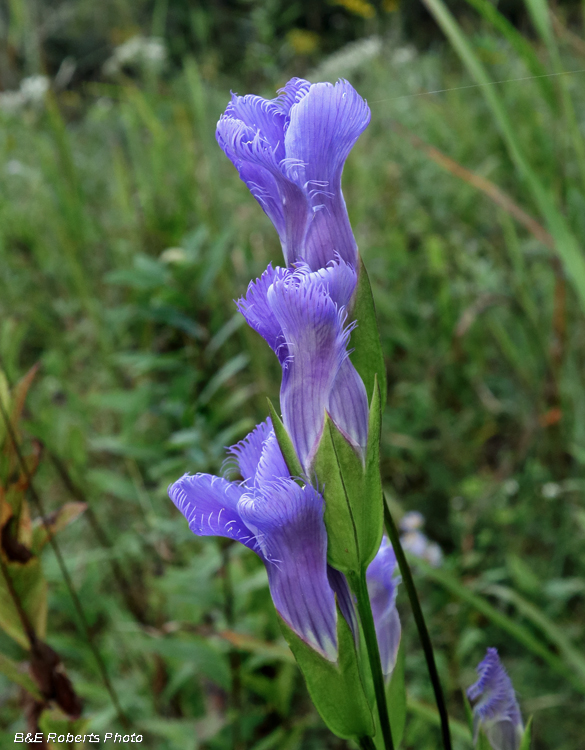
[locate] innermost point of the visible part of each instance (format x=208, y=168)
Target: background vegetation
x=125, y=235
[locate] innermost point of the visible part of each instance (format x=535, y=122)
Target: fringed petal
x=210, y=506
x=324, y=126
x=248, y=451
x=261, y=115
x=271, y=464
x=496, y=708
x=292, y=93
x=262, y=165
x=258, y=313
x=316, y=341
x=288, y=522
x=339, y=279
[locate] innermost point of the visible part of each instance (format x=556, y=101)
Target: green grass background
x=125, y=235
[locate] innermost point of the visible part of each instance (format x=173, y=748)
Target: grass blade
x=566, y=243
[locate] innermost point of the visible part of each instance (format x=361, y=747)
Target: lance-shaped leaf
x=285, y=443
x=367, y=356
x=336, y=688
x=11, y=669
x=29, y=586
x=353, y=494
x=58, y=520
x=525, y=744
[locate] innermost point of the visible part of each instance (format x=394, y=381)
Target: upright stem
x=367, y=743
x=423, y=633
x=367, y=620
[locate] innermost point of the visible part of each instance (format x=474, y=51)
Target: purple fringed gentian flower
x=382, y=588
x=290, y=152
x=496, y=709
x=302, y=315
x=282, y=522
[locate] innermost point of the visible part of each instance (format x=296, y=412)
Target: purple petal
x=316, y=340
x=340, y=586
x=339, y=279
x=249, y=450
x=271, y=464
x=261, y=115
x=323, y=128
x=382, y=586
x=496, y=708
x=348, y=405
x=210, y=506
x=292, y=93
x=288, y=522
x=258, y=312
x=262, y=165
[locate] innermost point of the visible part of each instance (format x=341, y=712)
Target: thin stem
x=367, y=743
x=423, y=633
x=64, y=570
x=133, y=603
x=367, y=620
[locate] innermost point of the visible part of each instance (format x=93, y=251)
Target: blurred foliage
x=125, y=235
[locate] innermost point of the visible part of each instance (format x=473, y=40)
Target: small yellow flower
x=358, y=7
x=302, y=41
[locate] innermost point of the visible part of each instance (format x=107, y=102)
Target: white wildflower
x=32, y=91
x=34, y=88
x=510, y=487
x=347, y=60
x=404, y=55
x=412, y=521
x=139, y=51
x=550, y=490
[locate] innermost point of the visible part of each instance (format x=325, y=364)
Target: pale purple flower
x=382, y=587
x=496, y=709
x=282, y=522
x=290, y=152
x=302, y=315
x=413, y=539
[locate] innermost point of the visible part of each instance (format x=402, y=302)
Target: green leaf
x=54, y=720
x=396, y=698
x=526, y=737
x=336, y=689
x=354, y=509
x=468, y=711
x=62, y=517
x=367, y=356
x=31, y=589
x=369, y=509
x=335, y=464
x=285, y=443
x=9, y=668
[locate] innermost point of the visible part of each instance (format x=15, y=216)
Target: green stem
x=367, y=620
x=367, y=743
x=423, y=633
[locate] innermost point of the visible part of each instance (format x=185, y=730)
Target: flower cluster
x=290, y=152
